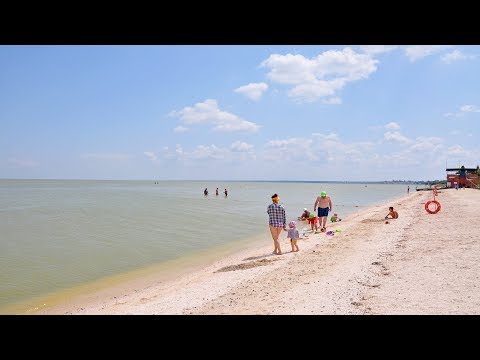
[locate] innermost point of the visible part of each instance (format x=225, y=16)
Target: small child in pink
x=293, y=235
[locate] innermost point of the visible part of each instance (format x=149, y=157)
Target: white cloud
x=455, y=132
x=180, y=129
x=100, y=156
x=332, y=101
x=454, y=56
x=292, y=149
x=463, y=110
x=327, y=156
x=241, y=146
x=178, y=150
x=416, y=52
x=469, y=108
x=209, y=113
x=22, y=163
x=151, y=156
x=320, y=76
x=208, y=152
x=319, y=150
x=426, y=145
x=312, y=91
x=331, y=137
x=392, y=126
x=457, y=150
x=238, y=151
x=396, y=137
x=253, y=91
x=287, y=142
x=377, y=49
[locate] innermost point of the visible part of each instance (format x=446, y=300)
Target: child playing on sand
x=392, y=213
x=313, y=221
x=304, y=215
x=335, y=218
x=293, y=235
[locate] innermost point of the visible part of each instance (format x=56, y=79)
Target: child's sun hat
x=292, y=224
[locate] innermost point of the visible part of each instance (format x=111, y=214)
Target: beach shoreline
x=418, y=264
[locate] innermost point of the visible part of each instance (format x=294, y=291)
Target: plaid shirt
x=276, y=215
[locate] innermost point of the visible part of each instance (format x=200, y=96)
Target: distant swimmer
x=205, y=192
x=226, y=193
x=216, y=192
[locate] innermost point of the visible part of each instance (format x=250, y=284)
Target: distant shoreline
x=399, y=182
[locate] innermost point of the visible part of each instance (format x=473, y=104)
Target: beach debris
x=369, y=285
x=247, y=265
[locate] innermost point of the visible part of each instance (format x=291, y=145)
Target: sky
x=238, y=112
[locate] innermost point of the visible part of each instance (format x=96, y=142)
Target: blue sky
x=207, y=112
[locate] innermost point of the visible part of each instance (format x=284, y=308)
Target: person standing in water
x=226, y=193
x=216, y=192
x=205, y=192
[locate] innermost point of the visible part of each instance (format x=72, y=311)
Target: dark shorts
x=323, y=212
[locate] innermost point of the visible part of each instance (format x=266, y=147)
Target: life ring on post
x=437, y=206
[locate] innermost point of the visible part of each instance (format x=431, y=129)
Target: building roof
x=458, y=169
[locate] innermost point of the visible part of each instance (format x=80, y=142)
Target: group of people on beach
x=277, y=220
x=205, y=192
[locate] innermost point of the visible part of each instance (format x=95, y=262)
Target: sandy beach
x=419, y=263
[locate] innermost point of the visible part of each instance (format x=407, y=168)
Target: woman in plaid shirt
x=276, y=221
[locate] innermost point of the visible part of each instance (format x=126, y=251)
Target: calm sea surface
x=60, y=234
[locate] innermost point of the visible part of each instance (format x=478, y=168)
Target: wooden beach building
x=464, y=177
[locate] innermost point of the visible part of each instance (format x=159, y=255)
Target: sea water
x=61, y=234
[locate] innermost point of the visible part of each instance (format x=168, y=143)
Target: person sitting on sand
x=305, y=215
x=293, y=235
x=335, y=218
x=392, y=213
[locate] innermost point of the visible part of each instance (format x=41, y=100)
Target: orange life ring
x=437, y=206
